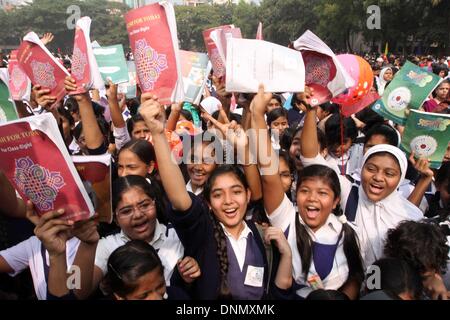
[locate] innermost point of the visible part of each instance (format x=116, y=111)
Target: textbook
x=41, y=67
x=152, y=31
x=36, y=162
x=428, y=135
x=8, y=110
x=84, y=65
x=324, y=72
x=408, y=90
x=111, y=63
x=221, y=37
x=195, y=68
x=95, y=172
x=129, y=88
x=19, y=84
x=216, y=55
x=280, y=69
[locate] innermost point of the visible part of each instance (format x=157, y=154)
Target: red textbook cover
x=41, y=67
x=19, y=84
x=80, y=68
x=50, y=182
x=95, y=172
x=155, y=54
x=213, y=52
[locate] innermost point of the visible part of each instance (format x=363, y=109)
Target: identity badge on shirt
x=254, y=276
x=315, y=282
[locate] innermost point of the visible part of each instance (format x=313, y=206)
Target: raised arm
x=116, y=114
x=171, y=177
x=426, y=177
x=309, y=143
x=174, y=116
x=272, y=188
x=91, y=130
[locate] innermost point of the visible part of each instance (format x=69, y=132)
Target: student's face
x=442, y=91
x=285, y=175
x=136, y=214
x=140, y=130
x=442, y=73
x=316, y=200
x=321, y=114
x=201, y=166
x=447, y=153
x=273, y=104
x=339, y=150
x=380, y=177
x=294, y=151
x=374, y=140
x=388, y=75
x=130, y=164
x=279, y=124
x=228, y=200
x=150, y=286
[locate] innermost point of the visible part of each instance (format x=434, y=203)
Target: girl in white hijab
x=386, y=75
x=380, y=206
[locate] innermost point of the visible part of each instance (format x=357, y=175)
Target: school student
x=375, y=205
x=135, y=272
x=230, y=251
x=325, y=248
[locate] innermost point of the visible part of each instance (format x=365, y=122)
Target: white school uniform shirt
x=284, y=217
x=165, y=241
x=189, y=188
x=240, y=245
x=27, y=254
x=121, y=137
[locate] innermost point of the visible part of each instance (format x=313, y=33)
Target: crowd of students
x=343, y=197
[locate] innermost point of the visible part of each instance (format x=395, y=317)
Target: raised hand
x=42, y=98
x=422, y=166
x=47, y=38
x=260, y=101
x=52, y=231
x=188, y=269
x=70, y=85
x=153, y=114
x=86, y=230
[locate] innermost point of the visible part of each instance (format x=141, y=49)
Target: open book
x=152, y=31
x=280, y=69
x=36, y=162
x=41, y=67
x=324, y=72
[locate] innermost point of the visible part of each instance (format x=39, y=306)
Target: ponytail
x=303, y=245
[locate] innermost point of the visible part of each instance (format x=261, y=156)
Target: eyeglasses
x=144, y=207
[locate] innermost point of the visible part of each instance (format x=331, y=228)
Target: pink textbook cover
x=153, y=50
x=18, y=81
x=81, y=70
x=50, y=182
x=213, y=52
x=41, y=67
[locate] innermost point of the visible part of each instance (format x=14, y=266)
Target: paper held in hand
x=280, y=69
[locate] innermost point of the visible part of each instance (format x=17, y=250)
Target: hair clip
x=343, y=219
x=115, y=272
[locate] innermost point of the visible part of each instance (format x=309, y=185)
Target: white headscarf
x=376, y=218
x=381, y=83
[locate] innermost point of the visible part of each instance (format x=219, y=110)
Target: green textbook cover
x=8, y=110
x=111, y=63
x=428, y=135
x=408, y=90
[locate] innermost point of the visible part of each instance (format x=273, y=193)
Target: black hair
x=132, y=121
x=384, y=130
x=443, y=175
x=283, y=154
x=333, y=130
x=304, y=242
x=323, y=294
x=397, y=277
x=141, y=148
x=275, y=114
x=128, y=263
x=422, y=245
x=64, y=112
x=219, y=234
x=123, y=184
x=294, y=101
x=278, y=98
x=71, y=105
x=369, y=117
x=437, y=68
x=329, y=107
x=232, y=116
